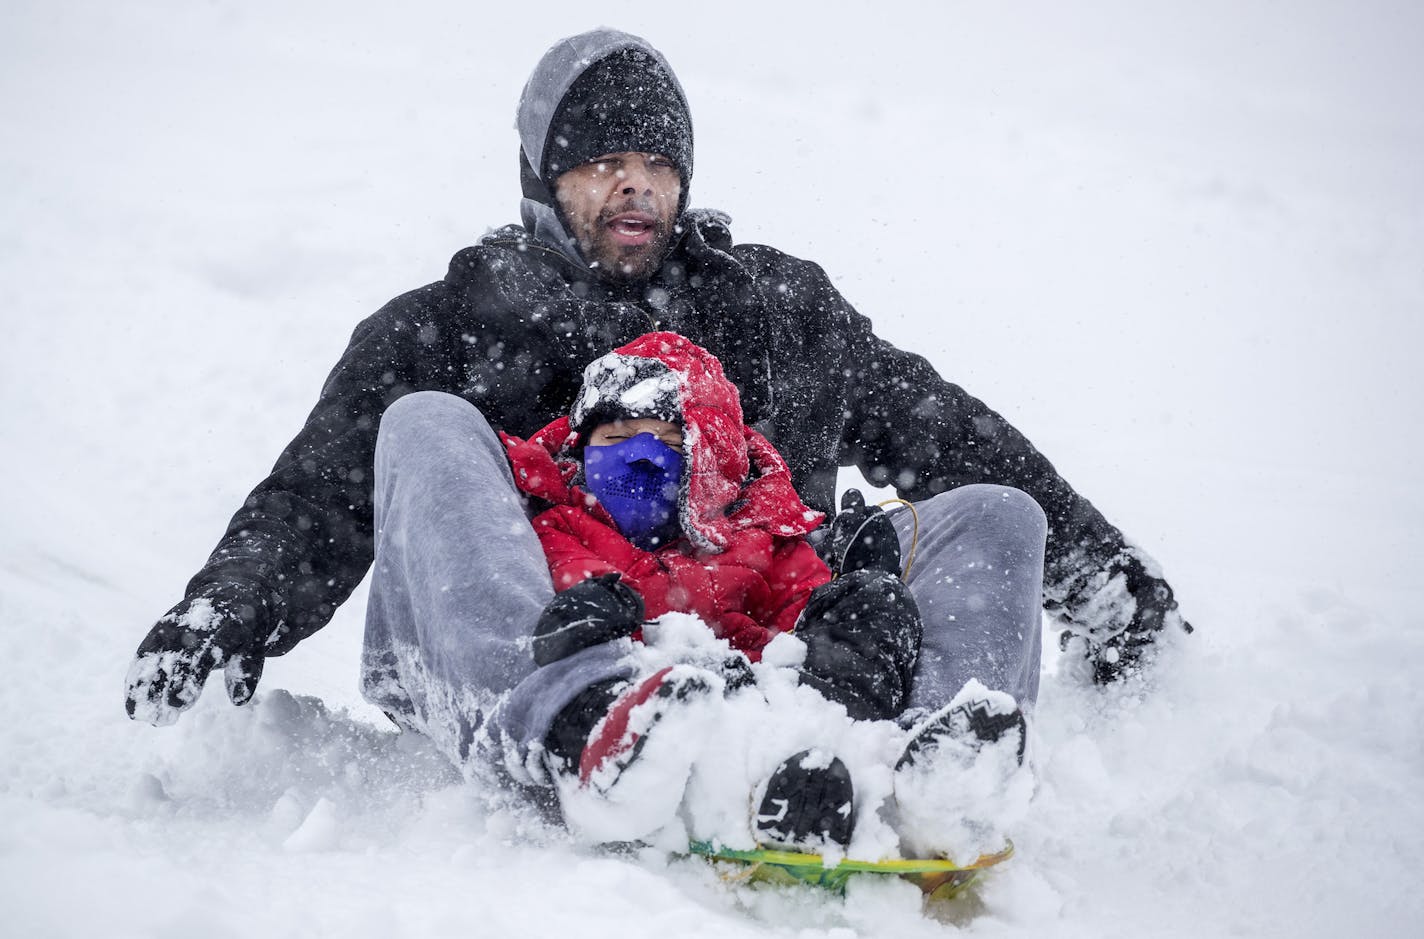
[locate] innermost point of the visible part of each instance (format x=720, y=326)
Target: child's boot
x=959, y=781
x=809, y=803
x=634, y=765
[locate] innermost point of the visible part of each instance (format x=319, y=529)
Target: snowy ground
x=1179, y=245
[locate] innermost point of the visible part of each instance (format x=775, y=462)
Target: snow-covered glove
x=862, y=537
x=223, y=627
x=1153, y=609
x=862, y=635
x=590, y=612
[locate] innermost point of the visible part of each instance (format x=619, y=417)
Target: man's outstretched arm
x=296, y=548
x=302, y=541
x=908, y=427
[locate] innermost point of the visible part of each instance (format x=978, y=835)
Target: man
x=607, y=251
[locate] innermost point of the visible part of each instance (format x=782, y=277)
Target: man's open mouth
x=632, y=228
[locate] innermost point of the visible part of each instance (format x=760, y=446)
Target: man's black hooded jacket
x=511, y=327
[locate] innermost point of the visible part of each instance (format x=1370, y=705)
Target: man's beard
x=627, y=263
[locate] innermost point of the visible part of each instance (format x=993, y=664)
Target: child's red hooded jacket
x=742, y=564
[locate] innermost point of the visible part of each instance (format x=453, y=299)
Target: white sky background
x=1178, y=245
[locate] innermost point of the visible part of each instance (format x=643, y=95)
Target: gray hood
x=553, y=76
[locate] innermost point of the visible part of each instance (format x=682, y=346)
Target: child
x=653, y=477
x=661, y=500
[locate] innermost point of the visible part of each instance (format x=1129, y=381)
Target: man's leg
x=977, y=577
x=458, y=583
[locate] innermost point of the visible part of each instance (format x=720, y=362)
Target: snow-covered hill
x=1178, y=246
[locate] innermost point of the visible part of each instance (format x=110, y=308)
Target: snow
x=1177, y=245
x=710, y=759
x=612, y=381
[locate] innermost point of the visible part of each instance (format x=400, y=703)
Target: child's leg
x=977, y=576
x=458, y=583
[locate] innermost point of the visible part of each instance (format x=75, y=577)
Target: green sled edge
x=937, y=878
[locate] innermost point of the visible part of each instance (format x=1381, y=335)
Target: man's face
x=622, y=208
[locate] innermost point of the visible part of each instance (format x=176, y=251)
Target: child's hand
x=862, y=537
x=590, y=612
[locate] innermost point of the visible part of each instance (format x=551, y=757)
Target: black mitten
x=862, y=634
x=862, y=537
x=225, y=626
x=1154, y=608
x=590, y=612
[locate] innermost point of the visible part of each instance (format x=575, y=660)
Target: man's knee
x=422, y=415
x=989, y=508
x=421, y=407
x=1009, y=509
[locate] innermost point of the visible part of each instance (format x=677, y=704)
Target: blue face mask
x=637, y=481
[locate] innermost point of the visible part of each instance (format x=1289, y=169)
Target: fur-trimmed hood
x=733, y=478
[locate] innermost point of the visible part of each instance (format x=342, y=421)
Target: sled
x=937, y=878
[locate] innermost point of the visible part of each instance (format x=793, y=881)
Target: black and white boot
x=808, y=804
x=960, y=781
x=627, y=780
x=962, y=728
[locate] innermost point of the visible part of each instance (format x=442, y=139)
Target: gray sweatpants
x=977, y=577
x=459, y=581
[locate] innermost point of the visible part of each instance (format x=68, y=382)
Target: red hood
x=733, y=478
